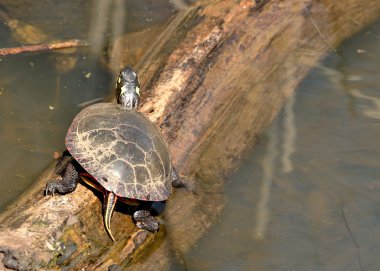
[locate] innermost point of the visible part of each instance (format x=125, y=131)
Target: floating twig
x=352, y=238
x=42, y=47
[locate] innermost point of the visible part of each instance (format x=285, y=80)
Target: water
x=306, y=198
x=308, y=195
x=36, y=107
x=40, y=93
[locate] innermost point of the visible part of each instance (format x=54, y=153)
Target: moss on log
x=214, y=80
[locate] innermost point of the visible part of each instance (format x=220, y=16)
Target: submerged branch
x=43, y=47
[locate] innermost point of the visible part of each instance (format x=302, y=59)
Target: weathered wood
x=42, y=47
x=213, y=85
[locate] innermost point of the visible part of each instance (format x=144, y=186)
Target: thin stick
x=43, y=47
x=352, y=238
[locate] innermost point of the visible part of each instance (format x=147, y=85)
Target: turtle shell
x=122, y=150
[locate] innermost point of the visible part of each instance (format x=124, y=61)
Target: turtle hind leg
x=177, y=181
x=67, y=184
x=108, y=207
x=181, y=182
x=144, y=220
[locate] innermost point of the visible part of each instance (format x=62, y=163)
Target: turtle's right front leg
x=62, y=162
x=68, y=183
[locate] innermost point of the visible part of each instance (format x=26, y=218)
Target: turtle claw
x=50, y=188
x=65, y=184
x=53, y=187
x=144, y=220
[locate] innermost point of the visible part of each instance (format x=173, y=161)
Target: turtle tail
x=109, y=205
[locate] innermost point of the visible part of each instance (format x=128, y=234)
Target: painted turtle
x=120, y=152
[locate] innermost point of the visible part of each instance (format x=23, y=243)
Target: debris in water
x=56, y=155
x=20, y=175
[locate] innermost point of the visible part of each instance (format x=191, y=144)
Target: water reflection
x=268, y=167
x=308, y=197
x=290, y=134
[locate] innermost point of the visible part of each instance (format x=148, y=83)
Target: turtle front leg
x=62, y=162
x=144, y=220
x=68, y=183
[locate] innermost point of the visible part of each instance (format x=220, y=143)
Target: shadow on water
x=40, y=93
x=308, y=197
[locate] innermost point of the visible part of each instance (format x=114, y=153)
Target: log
x=213, y=82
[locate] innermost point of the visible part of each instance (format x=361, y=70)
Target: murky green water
x=40, y=93
x=36, y=107
x=308, y=196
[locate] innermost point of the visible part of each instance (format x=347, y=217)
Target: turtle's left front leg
x=68, y=183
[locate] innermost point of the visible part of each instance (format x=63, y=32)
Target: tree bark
x=214, y=81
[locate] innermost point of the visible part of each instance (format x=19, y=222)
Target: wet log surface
x=214, y=80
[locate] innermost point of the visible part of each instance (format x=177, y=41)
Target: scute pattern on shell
x=122, y=150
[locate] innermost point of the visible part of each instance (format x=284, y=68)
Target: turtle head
x=128, y=88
